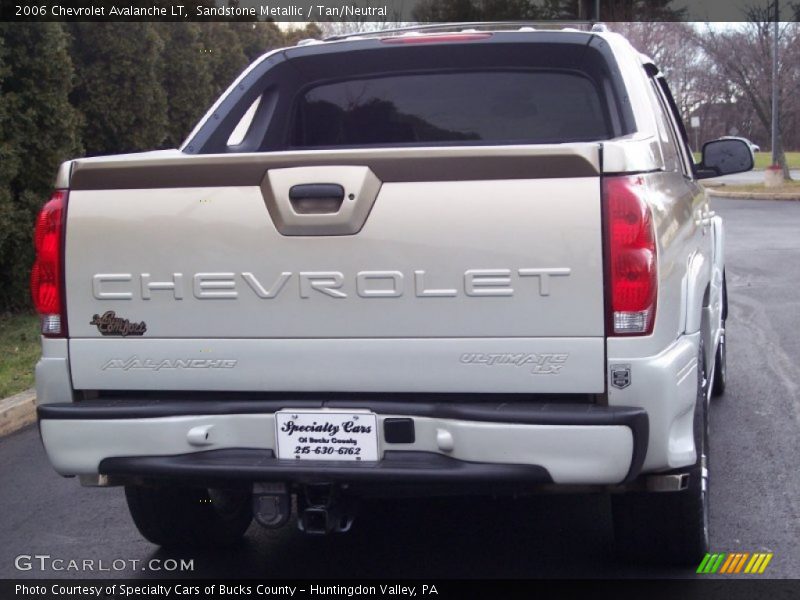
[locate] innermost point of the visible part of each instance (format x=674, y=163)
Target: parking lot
x=755, y=480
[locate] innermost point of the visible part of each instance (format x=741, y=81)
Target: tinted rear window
x=463, y=107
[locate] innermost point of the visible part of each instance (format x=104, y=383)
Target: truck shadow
x=537, y=537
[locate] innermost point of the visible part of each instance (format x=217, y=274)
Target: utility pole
x=775, y=116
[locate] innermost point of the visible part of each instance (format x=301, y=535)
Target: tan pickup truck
x=425, y=262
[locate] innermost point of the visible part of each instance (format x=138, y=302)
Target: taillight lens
x=632, y=256
x=47, y=278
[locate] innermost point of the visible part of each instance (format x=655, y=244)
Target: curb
x=716, y=193
x=17, y=411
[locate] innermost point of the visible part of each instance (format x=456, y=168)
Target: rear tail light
x=631, y=246
x=47, y=275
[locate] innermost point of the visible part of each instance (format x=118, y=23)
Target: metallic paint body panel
x=666, y=386
x=329, y=365
x=443, y=229
x=174, y=169
x=53, y=379
x=572, y=454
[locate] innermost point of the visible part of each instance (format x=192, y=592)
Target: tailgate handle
x=316, y=198
x=320, y=200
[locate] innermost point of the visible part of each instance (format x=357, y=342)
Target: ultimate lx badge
x=110, y=324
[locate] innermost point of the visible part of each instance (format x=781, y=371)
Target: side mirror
x=724, y=157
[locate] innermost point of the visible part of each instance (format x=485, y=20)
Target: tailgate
x=447, y=269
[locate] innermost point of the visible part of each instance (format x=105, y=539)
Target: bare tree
x=674, y=50
x=330, y=28
x=743, y=57
x=366, y=23
x=534, y=10
x=296, y=34
x=698, y=91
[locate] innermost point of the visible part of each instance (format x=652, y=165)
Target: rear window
x=457, y=107
x=543, y=87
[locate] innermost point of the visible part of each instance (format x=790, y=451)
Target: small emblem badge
x=110, y=324
x=620, y=376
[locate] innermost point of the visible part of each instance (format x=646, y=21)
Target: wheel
x=669, y=527
x=184, y=516
x=721, y=359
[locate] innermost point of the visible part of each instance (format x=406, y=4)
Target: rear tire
x=721, y=359
x=183, y=516
x=720, y=367
x=669, y=527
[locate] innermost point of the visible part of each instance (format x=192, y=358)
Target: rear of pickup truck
x=376, y=266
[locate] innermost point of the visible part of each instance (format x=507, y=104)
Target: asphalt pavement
x=755, y=480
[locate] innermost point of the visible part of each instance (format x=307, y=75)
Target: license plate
x=327, y=435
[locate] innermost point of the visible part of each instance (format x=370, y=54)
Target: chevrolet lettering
x=334, y=284
x=468, y=260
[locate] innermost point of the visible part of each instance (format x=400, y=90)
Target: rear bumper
x=396, y=467
x=453, y=442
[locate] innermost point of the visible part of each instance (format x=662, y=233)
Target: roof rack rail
x=458, y=26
